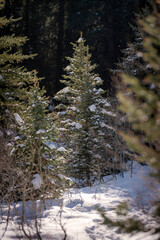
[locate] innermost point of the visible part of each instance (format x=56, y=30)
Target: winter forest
x=80, y=119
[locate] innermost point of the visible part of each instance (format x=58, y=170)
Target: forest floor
x=76, y=212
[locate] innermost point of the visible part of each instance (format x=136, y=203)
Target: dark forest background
x=51, y=25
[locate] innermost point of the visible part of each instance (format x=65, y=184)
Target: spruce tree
x=143, y=109
x=132, y=62
x=13, y=76
x=33, y=150
x=142, y=106
x=82, y=117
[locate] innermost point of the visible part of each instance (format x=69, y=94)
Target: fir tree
x=82, y=117
x=132, y=62
x=143, y=109
x=13, y=77
x=33, y=152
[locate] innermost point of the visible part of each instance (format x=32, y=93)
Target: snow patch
x=78, y=125
x=9, y=145
x=65, y=90
x=78, y=206
x=52, y=146
x=73, y=108
x=68, y=68
x=80, y=40
x=40, y=131
x=107, y=104
x=37, y=181
x=109, y=146
x=152, y=86
x=108, y=113
x=12, y=151
x=7, y=111
x=62, y=113
x=9, y=132
x=20, y=145
x=18, y=119
x=17, y=138
x=61, y=149
x=98, y=80
x=92, y=108
x=106, y=126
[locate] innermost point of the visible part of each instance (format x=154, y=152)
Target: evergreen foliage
x=104, y=23
x=13, y=77
x=82, y=117
x=132, y=62
x=33, y=154
x=142, y=108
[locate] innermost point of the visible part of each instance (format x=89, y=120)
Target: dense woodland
x=52, y=25
x=79, y=101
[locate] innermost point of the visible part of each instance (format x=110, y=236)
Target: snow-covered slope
x=76, y=210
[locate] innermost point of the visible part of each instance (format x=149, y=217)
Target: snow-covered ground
x=76, y=210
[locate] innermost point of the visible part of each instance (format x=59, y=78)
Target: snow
x=80, y=40
x=62, y=129
x=9, y=132
x=12, y=151
x=37, y=181
x=109, y=146
x=7, y=111
x=95, y=140
x=40, y=131
x=18, y=119
x=62, y=113
x=92, y=108
x=109, y=113
x=107, y=104
x=9, y=144
x=76, y=209
x=148, y=66
x=100, y=90
x=65, y=90
x=103, y=125
x=61, y=149
x=73, y=108
x=20, y=145
x=17, y=138
x=52, y=146
x=152, y=86
x=68, y=68
x=98, y=80
x=78, y=125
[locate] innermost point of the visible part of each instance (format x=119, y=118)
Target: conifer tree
x=13, y=77
x=143, y=109
x=82, y=117
x=132, y=62
x=33, y=151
